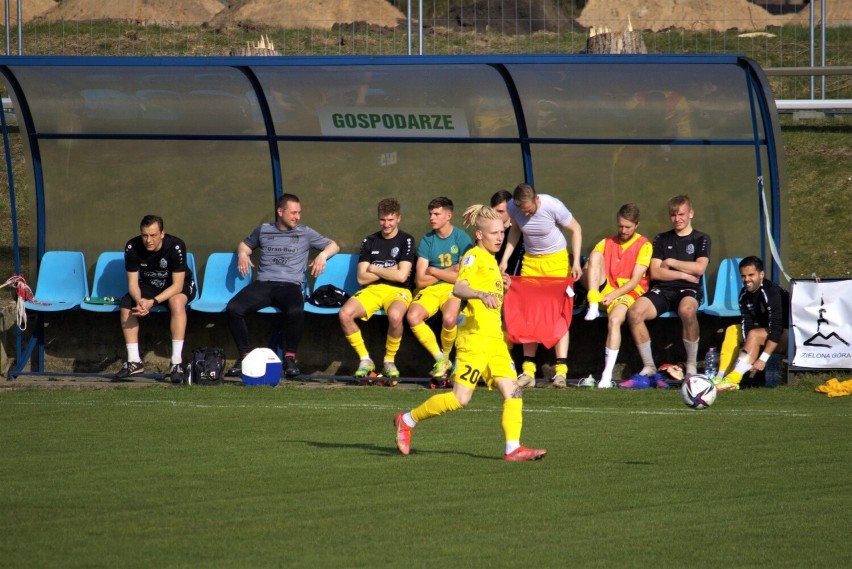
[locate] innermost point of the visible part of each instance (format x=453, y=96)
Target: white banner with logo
x=403, y=122
x=821, y=314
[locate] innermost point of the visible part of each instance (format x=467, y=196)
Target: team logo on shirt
x=690, y=249
x=163, y=263
x=454, y=250
x=395, y=252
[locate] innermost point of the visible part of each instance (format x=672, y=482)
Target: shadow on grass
x=390, y=450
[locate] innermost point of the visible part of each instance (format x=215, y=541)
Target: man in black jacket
x=765, y=310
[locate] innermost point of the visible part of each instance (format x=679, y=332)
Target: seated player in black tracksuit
x=765, y=309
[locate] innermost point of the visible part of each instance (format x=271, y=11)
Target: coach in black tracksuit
x=765, y=310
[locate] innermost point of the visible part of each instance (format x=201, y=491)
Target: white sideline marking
x=378, y=407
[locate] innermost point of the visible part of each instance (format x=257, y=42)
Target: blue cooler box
x=261, y=366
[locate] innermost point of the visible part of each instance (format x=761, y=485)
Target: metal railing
x=812, y=104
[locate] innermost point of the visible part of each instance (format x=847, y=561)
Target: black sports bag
x=207, y=367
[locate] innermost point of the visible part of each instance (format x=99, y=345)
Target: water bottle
x=711, y=362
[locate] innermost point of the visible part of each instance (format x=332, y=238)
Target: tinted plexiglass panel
x=340, y=184
x=141, y=100
x=456, y=101
x=601, y=133
x=211, y=194
x=634, y=101
x=595, y=180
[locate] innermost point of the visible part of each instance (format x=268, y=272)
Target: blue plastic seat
x=110, y=280
x=340, y=271
x=62, y=285
x=62, y=282
x=701, y=307
x=222, y=281
x=728, y=286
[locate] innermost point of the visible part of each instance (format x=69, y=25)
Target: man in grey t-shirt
x=284, y=249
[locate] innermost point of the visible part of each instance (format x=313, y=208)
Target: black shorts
x=668, y=299
x=150, y=292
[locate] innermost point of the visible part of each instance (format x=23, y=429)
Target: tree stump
x=605, y=41
x=262, y=47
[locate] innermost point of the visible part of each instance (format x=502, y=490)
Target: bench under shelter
x=209, y=143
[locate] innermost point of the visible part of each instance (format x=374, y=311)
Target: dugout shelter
x=210, y=142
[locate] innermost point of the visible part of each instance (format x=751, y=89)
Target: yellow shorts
x=626, y=299
x=484, y=358
x=548, y=265
x=433, y=297
x=380, y=296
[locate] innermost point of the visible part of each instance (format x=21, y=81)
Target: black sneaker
x=177, y=373
x=237, y=370
x=290, y=368
x=130, y=368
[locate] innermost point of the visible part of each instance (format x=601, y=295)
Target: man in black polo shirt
x=157, y=273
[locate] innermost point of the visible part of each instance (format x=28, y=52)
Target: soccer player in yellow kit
x=481, y=352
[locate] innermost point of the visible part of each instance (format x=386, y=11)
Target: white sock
x=691, y=356
x=409, y=420
x=133, y=353
x=593, y=311
x=743, y=364
x=177, y=351
x=648, y=367
x=511, y=446
x=609, y=364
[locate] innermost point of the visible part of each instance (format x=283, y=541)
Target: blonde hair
x=478, y=215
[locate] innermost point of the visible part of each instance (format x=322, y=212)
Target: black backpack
x=207, y=367
x=328, y=296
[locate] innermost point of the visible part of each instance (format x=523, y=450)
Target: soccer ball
x=698, y=391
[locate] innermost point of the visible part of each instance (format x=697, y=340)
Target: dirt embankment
x=656, y=15
x=506, y=16
x=182, y=11
x=30, y=9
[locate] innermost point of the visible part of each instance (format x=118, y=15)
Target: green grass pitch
x=299, y=476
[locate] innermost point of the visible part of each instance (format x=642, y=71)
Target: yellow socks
x=392, y=347
x=734, y=377
x=438, y=405
x=528, y=368
x=731, y=346
x=426, y=337
x=594, y=296
x=513, y=418
x=357, y=343
x=448, y=338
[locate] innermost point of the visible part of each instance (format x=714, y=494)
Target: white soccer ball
x=698, y=391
